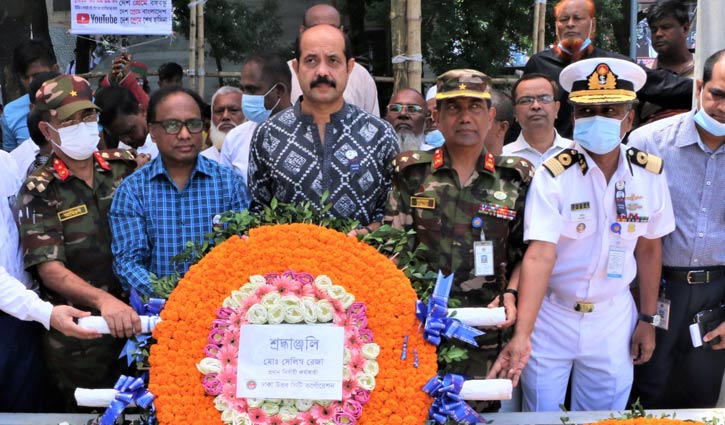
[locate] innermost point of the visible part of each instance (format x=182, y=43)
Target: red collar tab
x=438, y=158
x=488, y=163
x=102, y=162
x=61, y=169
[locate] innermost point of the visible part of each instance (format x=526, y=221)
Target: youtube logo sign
x=83, y=18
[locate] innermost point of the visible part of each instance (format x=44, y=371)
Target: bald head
x=321, y=14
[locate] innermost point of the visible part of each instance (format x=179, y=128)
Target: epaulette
x=39, y=179
x=408, y=158
x=117, y=155
x=651, y=163
x=558, y=163
x=524, y=168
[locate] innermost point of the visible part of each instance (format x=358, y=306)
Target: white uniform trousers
x=593, y=347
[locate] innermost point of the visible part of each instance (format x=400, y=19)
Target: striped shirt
x=696, y=177
x=151, y=220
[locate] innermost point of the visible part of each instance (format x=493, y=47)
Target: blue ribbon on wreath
x=448, y=402
x=435, y=318
x=130, y=390
x=152, y=308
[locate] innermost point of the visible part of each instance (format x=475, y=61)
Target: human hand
x=512, y=359
x=643, y=343
x=122, y=319
x=509, y=305
x=119, y=68
x=717, y=332
x=61, y=319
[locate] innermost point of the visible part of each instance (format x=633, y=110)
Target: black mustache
x=323, y=80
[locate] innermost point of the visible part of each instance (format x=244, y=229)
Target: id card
x=663, y=310
x=483, y=258
x=615, y=262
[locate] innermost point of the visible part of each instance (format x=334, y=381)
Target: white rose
x=242, y=419
x=336, y=291
x=255, y=403
x=347, y=300
x=275, y=314
x=346, y=356
x=371, y=367
x=288, y=412
x=303, y=405
x=346, y=373
x=239, y=296
x=324, y=311
x=370, y=351
x=289, y=301
x=270, y=407
x=323, y=403
x=322, y=281
x=209, y=365
x=257, y=279
x=366, y=381
x=234, y=417
x=230, y=302
x=219, y=403
x=309, y=310
x=293, y=314
x=270, y=298
x=257, y=314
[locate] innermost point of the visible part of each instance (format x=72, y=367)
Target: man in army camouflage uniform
x=66, y=238
x=466, y=205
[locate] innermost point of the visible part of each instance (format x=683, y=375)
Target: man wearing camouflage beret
x=466, y=205
x=65, y=233
x=595, y=216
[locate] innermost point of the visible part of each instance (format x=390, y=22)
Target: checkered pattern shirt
x=151, y=220
x=289, y=162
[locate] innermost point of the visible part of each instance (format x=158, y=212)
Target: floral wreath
x=354, y=286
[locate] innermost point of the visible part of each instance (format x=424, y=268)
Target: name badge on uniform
x=483, y=258
x=580, y=211
x=422, y=202
x=615, y=262
x=73, y=212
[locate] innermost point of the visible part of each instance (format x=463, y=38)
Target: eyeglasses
x=398, y=108
x=529, y=100
x=92, y=117
x=194, y=125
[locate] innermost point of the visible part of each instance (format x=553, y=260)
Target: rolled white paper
x=96, y=398
x=479, y=316
x=487, y=389
x=98, y=323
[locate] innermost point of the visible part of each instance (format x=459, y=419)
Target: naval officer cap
x=602, y=81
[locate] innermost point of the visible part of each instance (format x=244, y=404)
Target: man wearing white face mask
x=576, y=26
x=66, y=238
x=595, y=216
x=265, y=86
x=693, y=147
x=226, y=114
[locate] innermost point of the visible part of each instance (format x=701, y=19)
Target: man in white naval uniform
x=595, y=216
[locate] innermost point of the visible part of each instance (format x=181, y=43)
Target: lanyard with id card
x=482, y=252
x=617, y=255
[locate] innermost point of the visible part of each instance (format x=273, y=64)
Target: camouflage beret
x=65, y=95
x=463, y=83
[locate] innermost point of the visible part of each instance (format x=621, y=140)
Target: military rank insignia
x=438, y=158
x=496, y=210
x=489, y=162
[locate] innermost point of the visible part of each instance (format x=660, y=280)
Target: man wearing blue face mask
x=595, y=216
x=265, y=86
x=692, y=145
x=576, y=26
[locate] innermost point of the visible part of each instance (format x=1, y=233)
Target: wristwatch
x=652, y=320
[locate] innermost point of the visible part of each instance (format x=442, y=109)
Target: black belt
x=693, y=276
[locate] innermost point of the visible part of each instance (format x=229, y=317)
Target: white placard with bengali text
x=121, y=17
x=290, y=361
